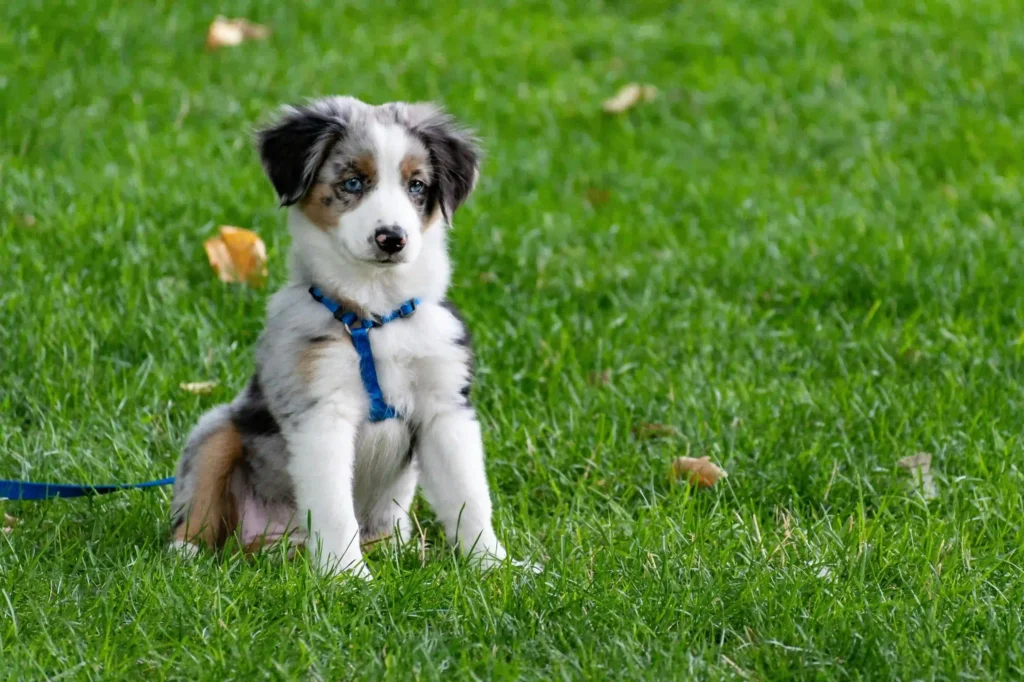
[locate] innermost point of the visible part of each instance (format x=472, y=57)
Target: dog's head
x=373, y=178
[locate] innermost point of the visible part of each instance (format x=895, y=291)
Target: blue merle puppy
x=362, y=375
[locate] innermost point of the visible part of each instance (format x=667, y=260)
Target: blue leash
x=26, y=490
x=379, y=408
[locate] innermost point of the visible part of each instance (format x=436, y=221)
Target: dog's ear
x=454, y=156
x=295, y=146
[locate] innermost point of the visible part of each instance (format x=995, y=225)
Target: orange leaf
x=237, y=255
x=698, y=471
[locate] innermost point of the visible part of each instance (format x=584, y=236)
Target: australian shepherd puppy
x=313, y=449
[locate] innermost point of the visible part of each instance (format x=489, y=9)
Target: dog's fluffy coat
x=295, y=451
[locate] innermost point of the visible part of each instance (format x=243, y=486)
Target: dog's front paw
x=488, y=560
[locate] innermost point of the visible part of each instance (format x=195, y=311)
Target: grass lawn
x=804, y=257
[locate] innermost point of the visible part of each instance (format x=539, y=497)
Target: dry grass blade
x=237, y=255
x=198, y=387
x=697, y=471
x=645, y=431
x=628, y=97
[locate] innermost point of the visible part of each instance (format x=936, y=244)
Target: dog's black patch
x=253, y=417
x=414, y=439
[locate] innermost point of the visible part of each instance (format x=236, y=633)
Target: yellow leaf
x=237, y=255
x=698, y=471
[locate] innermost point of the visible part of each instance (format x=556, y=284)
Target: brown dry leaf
x=645, y=431
x=919, y=466
x=598, y=197
x=224, y=32
x=599, y=378
x=628, y=97
x=238, y=255
x=698, y=471
x=198, y=387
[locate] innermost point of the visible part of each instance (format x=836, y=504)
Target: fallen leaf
x=699, y=471
x=646, y=431
x=198, y=387
x=628, y=97
x=237, y=255
x=9, y=523
x=488, y=277
x=599, y=378
x=224, y=32
x=597, y=197
x=919, y=466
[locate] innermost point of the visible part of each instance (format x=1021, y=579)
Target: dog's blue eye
x=416, y=187
x=353, y=185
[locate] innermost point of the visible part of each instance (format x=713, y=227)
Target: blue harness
x=379, y=408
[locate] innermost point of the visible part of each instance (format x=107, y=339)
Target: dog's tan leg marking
x=212, y=513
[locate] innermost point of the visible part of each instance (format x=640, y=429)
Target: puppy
x=318, y=447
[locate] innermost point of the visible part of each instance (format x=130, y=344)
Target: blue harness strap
x=26, y=490
x=379, y=408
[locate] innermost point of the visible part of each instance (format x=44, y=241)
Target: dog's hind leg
x=204, y=511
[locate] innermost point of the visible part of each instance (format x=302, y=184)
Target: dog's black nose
x=390, y=239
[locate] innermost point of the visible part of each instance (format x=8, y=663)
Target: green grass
x=805, y=255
